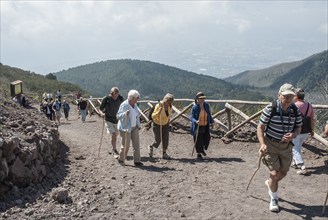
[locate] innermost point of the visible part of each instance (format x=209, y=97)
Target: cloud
x=60, y=31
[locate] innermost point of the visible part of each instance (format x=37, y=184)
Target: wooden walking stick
x=126, y=138
x=324, y=205
x=258, y=167
x=161, y=126
x=193, y=149
x=101, y=137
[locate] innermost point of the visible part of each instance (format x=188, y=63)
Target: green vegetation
x=306, y=73
x=152, y=80
x=34, y=84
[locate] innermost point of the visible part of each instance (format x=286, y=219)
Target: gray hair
x=133, y=94
x=114, y=90
x=168, y=97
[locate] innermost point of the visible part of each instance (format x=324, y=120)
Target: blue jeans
x=297, y=154
x=83, y=114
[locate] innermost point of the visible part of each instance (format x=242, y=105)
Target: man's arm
x=260, y=136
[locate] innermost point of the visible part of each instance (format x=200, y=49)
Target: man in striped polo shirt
x=280, y=122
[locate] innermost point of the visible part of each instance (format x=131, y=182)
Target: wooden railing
x=228, y=109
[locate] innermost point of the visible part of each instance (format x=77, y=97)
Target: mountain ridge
x=305, y=73
x=152, y=80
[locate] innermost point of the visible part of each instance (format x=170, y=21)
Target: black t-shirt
x=83, y=105
x=110, y=107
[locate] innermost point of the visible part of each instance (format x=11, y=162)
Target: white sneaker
x=302, y=171
x=150, y=151
x=274, y=207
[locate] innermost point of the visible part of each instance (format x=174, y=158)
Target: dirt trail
x=181, y=188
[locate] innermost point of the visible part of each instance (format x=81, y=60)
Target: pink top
x=303, y=106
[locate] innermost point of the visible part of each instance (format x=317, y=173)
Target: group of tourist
x=53, y=107
x=123, y=117
x=283, y=127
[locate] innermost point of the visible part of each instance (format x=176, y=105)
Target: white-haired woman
x=161, y=118
x=129, y=125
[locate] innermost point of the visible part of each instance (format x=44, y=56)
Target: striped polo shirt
x=282, y=122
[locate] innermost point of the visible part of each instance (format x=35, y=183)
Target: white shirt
x=133, y=116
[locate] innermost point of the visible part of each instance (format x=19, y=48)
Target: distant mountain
x=34, y=83
x=152, y=80
x=305, y=73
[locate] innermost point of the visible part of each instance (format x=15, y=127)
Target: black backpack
x=306, y=126
x=151, y=110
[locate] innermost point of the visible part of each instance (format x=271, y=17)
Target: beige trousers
x=126, y=137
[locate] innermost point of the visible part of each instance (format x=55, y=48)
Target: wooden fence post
x=244, y=122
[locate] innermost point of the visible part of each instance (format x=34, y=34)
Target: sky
x=218, y=38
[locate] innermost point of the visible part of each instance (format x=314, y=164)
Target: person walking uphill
x=108, y=108
x=56, y=108
x=66, y=108
x=279, y=123
x=201, y=120
x=82, y=107
x=161, y=118
x=129, y=125
x=307, y=112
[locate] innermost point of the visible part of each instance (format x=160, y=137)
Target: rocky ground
x=181, y=188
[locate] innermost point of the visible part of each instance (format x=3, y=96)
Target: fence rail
x=228, y=109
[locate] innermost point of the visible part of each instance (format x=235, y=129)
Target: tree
x=51, y=76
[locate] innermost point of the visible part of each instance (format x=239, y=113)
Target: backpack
x=151, y=110
x=306, y=126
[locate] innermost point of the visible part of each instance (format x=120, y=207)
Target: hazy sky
x=49, y=36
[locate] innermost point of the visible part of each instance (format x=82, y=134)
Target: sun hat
x=286, y=89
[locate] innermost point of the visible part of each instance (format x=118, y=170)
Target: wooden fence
x=228, y=109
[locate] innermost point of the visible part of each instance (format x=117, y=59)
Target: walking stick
x=324, y=205
x=193, y=149
x=258, y=167
x=126, y=138
x=161, y=126
x=101, y=137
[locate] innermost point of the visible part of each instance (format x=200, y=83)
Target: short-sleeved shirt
x=282, y=122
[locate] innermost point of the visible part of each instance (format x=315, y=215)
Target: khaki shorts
x=111, y=127
x=278, y=156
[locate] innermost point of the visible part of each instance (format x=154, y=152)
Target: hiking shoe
x=294, y=165
x=115, y=153
x=274, y=205
x=199, y=157
x=166, y=156
x=302, y=171
x=204, y=154
x=150, y=151
x=138, y=164
x=121, y=162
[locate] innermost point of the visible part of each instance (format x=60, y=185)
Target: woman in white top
x=129, y=126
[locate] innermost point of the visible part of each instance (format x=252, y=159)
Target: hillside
x=151, y=79
x=34, y=83
x=263, y=77
x=305, y=73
